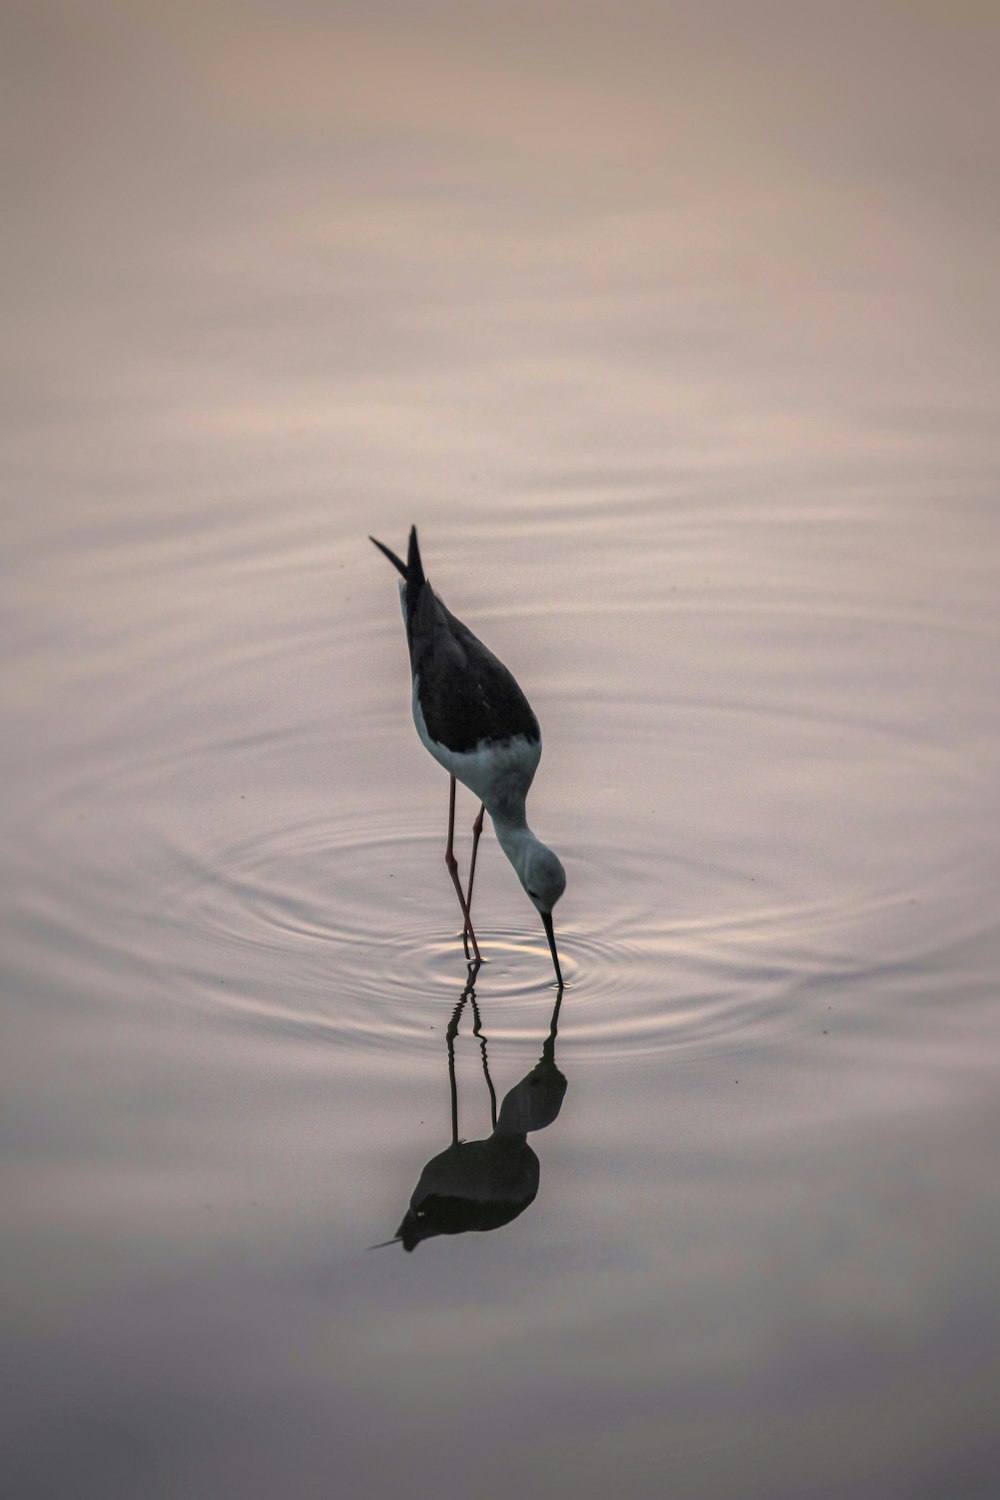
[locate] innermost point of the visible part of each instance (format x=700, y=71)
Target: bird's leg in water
x=452, y=863
x=477, y=829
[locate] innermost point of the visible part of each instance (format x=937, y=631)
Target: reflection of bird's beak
x=546, y=917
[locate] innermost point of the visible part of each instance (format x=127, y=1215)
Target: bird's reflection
x=484, y=1184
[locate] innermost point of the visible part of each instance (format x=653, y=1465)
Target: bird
x=473, y=717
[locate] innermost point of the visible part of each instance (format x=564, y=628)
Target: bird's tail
x=390, y=555
x=413, y=567
x=415, y=579
x=412, y=570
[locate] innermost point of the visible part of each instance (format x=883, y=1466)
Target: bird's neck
x=515, y=839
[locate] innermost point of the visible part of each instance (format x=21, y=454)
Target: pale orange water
x=676, y=335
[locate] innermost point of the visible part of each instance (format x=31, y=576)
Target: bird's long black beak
x=546, y=917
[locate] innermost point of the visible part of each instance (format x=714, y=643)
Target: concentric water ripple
x=269, y=906
x=345, y=928
x=341, y=925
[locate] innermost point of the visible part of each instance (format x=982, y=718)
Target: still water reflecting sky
x=675, y=330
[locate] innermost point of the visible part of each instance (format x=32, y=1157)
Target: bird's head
x=540, y=873
x=543, y=877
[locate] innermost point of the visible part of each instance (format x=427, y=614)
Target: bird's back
x=467, y=695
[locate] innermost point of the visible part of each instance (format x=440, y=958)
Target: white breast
x=498, y=772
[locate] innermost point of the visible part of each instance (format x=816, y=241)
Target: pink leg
x=477, y=829
x=452, y=863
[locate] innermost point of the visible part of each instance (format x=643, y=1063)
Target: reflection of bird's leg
x=452, y=863
x=450, y=1036
x=478, y=1032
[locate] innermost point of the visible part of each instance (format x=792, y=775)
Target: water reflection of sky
x=676, y=334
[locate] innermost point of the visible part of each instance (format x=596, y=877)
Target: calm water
x=677, y=338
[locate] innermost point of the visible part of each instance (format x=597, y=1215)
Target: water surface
x=677, y=338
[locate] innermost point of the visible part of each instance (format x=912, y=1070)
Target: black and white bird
x=476, y=722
